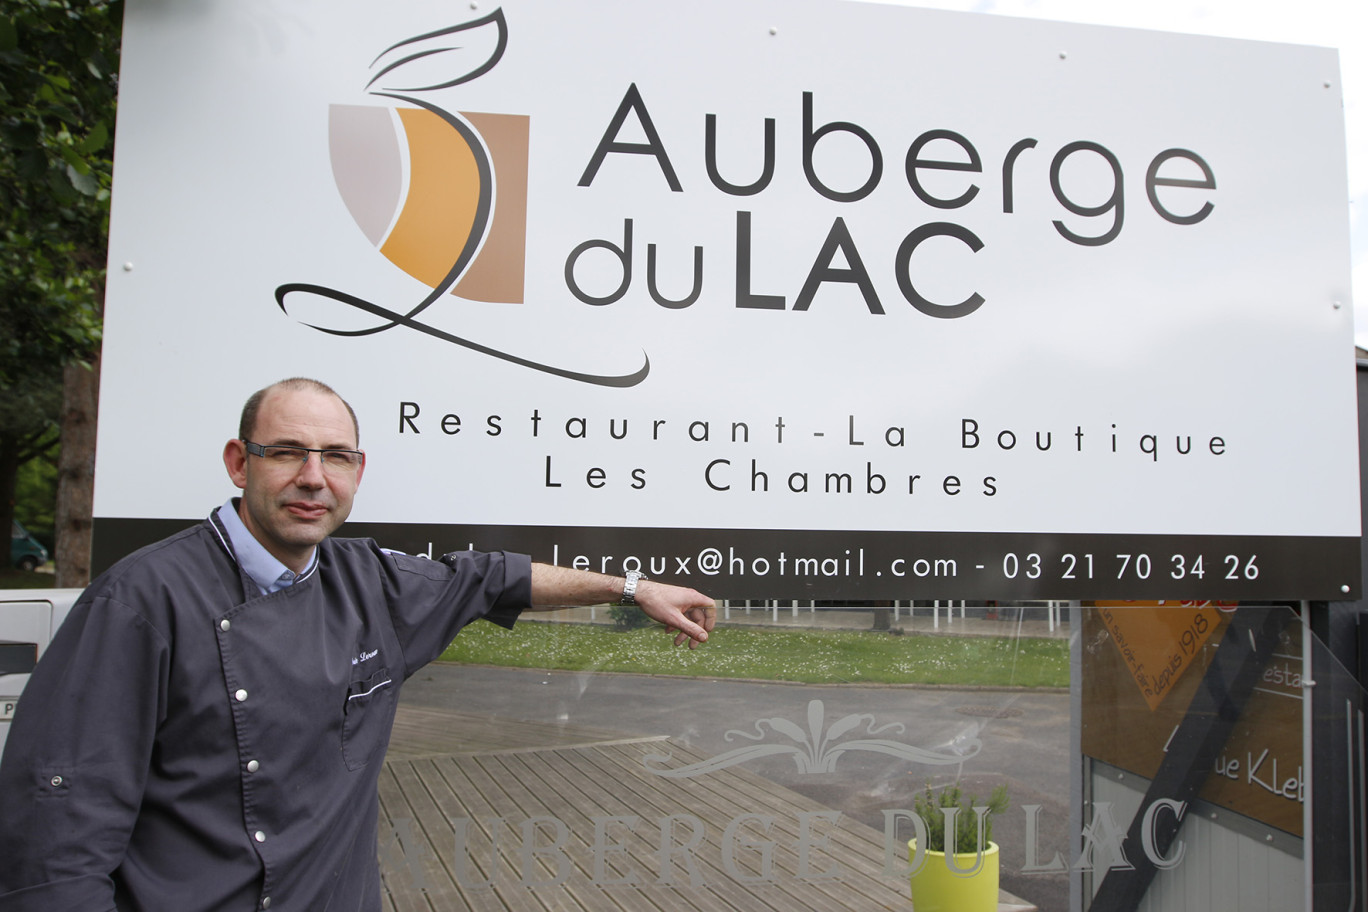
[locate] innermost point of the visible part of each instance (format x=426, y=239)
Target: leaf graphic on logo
x=427, y=63
x=655, y=763
x=844, y=725
x=816, y=714
x=785, y=727
x=822, y=750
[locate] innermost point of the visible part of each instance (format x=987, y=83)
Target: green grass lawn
x=806, y=656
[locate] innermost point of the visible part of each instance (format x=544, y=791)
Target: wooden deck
x=433, y=733
x=491, y=814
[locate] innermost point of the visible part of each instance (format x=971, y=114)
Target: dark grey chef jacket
x=183, y=746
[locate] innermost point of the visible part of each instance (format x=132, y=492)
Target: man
x=206, y=730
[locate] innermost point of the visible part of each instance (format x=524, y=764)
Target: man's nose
x=311, y=472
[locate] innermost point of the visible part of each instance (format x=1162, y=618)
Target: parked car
x=25, y=551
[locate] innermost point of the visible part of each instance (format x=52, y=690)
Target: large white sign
x=936, y=303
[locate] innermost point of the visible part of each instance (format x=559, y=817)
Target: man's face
x=290, y=509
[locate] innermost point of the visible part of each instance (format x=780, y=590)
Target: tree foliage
x=58, y=88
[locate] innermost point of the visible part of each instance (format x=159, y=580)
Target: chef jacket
x=186, y=743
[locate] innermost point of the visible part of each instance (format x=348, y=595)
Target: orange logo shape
x=376, y=151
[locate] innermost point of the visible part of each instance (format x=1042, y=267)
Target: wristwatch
x=629, y=588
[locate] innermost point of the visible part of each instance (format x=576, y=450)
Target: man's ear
x=235, y=461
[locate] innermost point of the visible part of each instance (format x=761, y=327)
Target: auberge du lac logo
x=441, y=194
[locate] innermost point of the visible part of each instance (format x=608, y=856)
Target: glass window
x=1152, y=756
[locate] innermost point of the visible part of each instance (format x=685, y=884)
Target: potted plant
x=962, y=877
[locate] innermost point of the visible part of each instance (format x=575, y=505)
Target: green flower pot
x=968, y=886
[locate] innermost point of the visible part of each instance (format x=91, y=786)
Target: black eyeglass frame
x=259, y=450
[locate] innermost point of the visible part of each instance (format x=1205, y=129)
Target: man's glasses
x=337, y=462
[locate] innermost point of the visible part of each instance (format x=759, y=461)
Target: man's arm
x=77, y=758
x=686, y=611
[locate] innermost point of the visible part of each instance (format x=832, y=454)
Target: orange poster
x=1158, y=640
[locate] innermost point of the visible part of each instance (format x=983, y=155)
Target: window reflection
x=1152, y=755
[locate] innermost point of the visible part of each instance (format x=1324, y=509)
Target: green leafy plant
x=930, y=803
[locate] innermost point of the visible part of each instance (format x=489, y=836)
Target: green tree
x=35, y=495
x=58, y=88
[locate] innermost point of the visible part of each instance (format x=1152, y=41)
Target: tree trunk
x=76, y=473
x=883, y=615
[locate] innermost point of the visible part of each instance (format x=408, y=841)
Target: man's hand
x=689, y=614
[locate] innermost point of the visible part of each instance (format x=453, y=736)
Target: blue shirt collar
x=269, y=574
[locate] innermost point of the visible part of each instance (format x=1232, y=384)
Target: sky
x=1338, y=24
